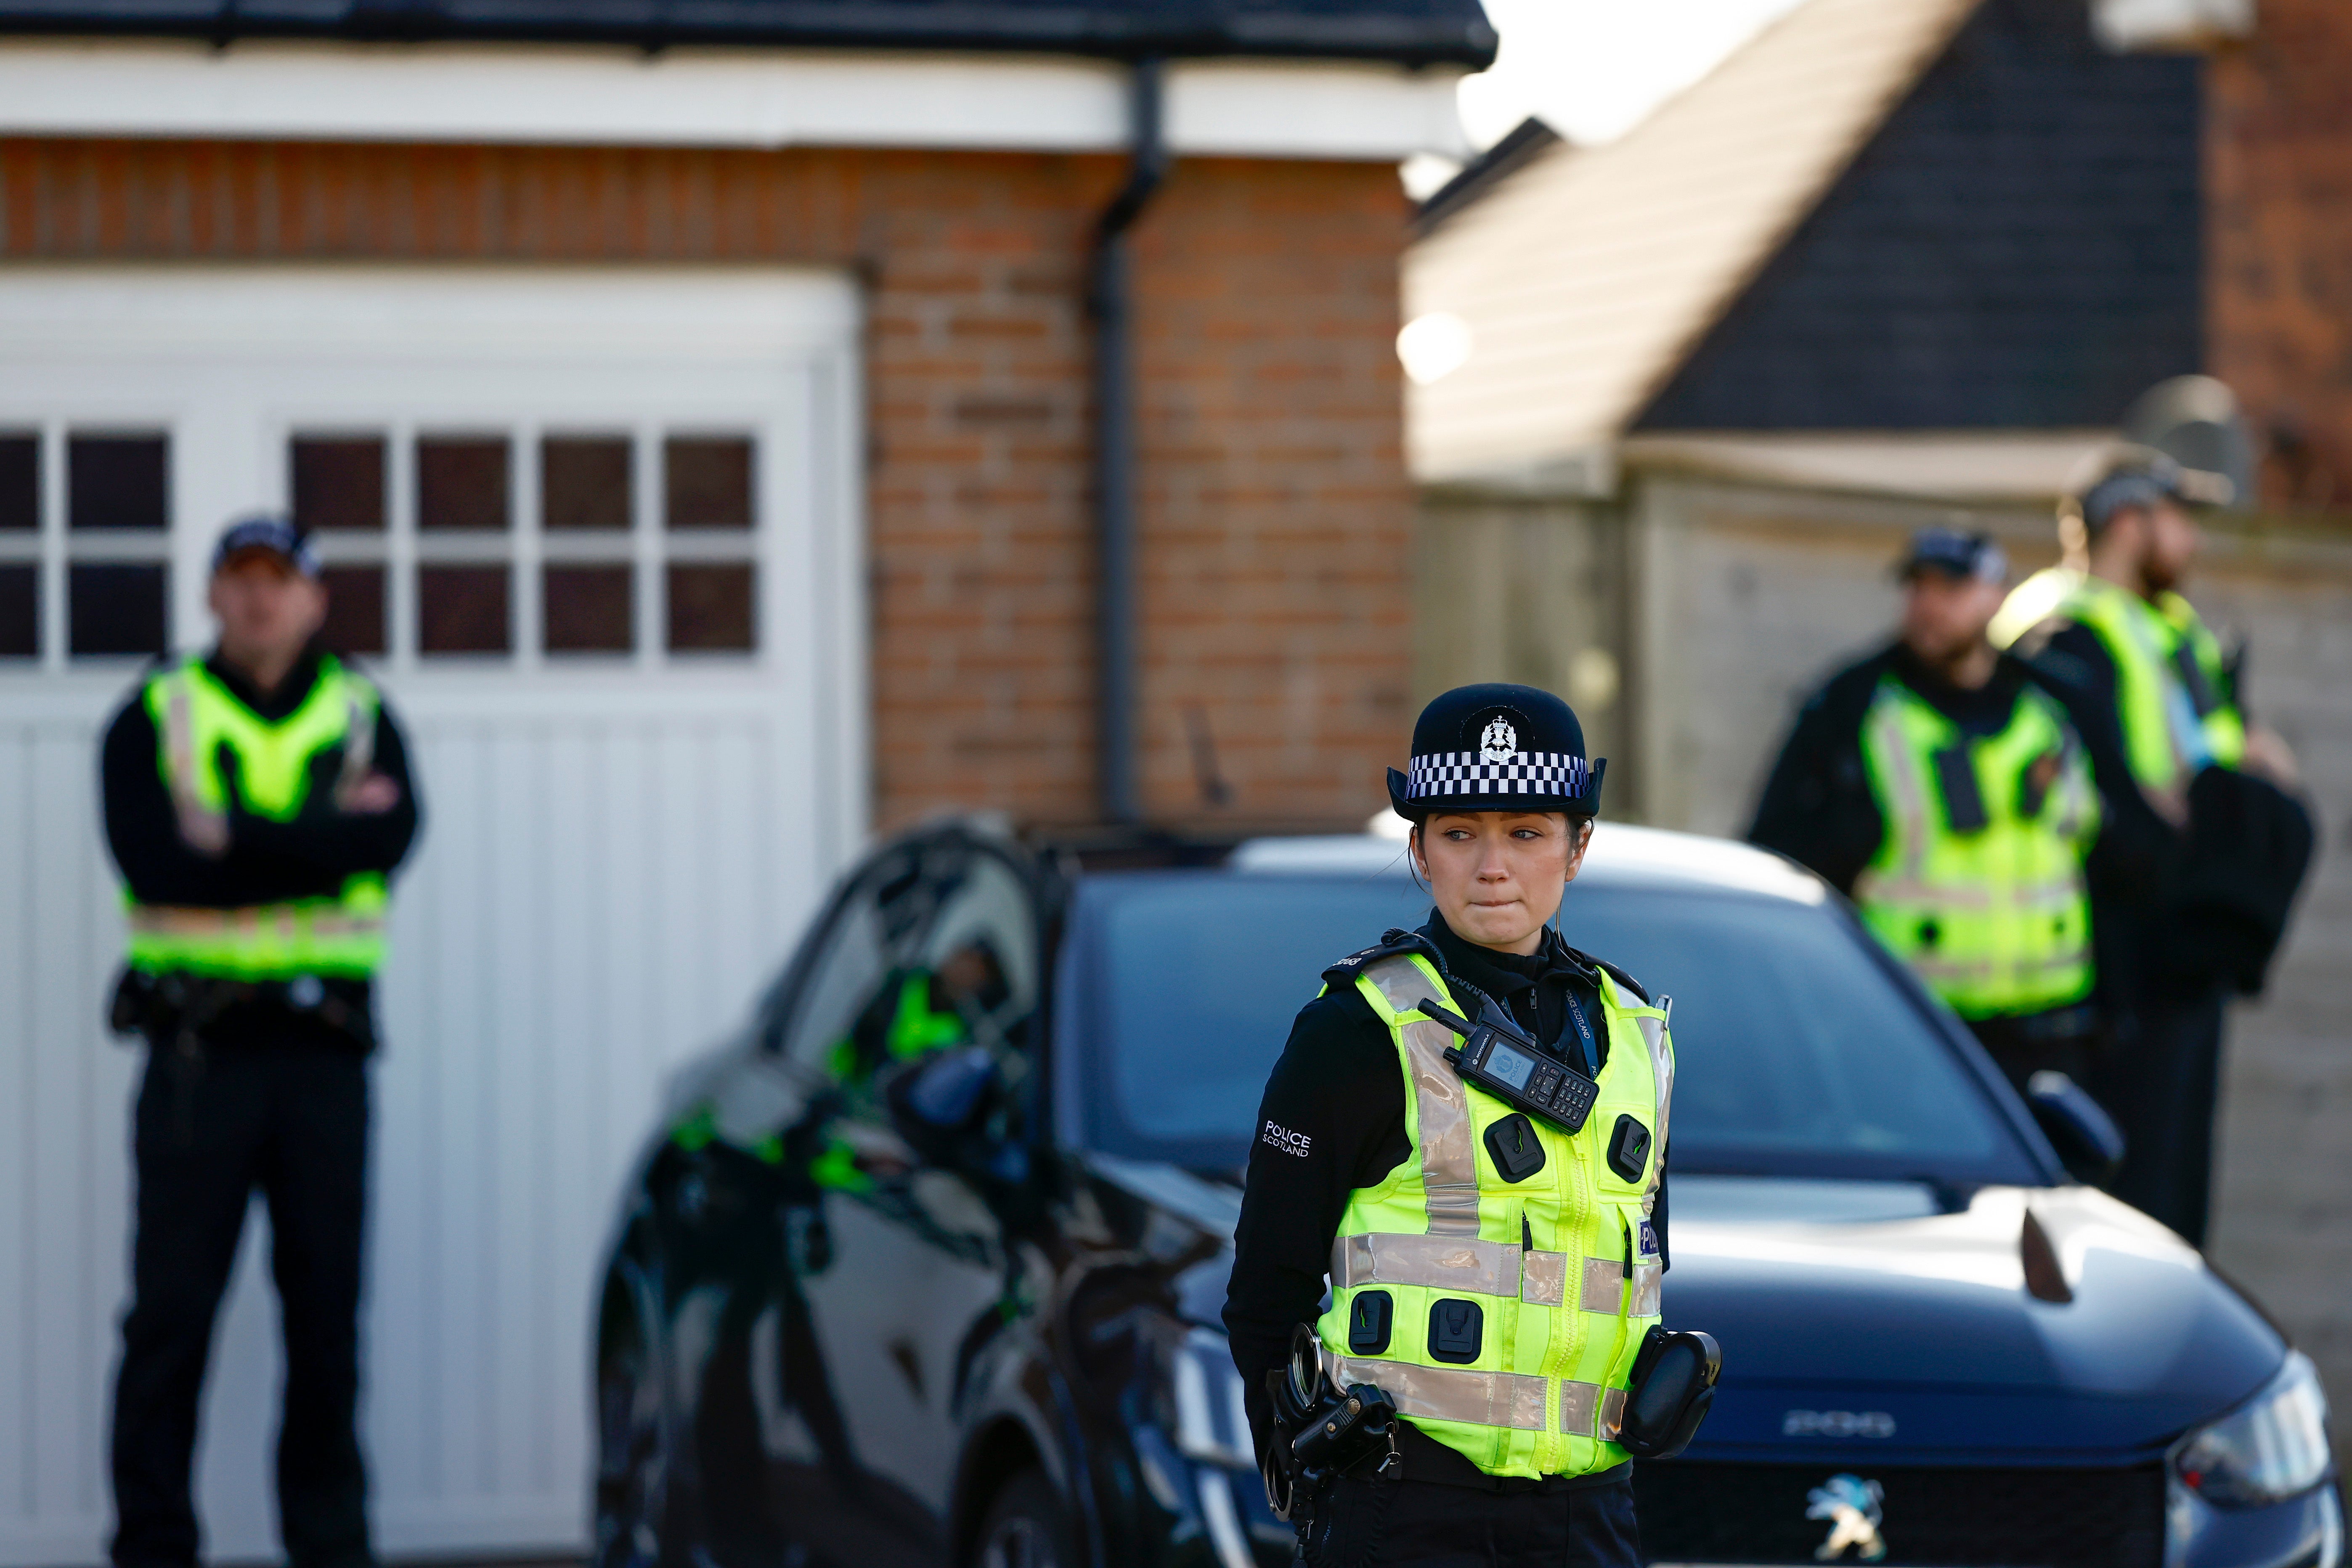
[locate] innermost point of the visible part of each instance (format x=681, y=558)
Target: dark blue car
x=927, y=1268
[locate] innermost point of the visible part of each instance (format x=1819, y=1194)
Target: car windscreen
x=1797, y=1051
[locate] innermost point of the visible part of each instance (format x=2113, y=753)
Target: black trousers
x=1427, y=1524
x=260, y=1109
x=2161, y=1083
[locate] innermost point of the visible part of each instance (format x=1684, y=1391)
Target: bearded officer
x=2152, y=685
x=1509, y=1376
x=256, y=799
x=1943, y=788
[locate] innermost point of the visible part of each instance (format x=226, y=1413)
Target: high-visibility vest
x=1978, y=884
x=2174, y=697
x=340, y=935
x=1509, y=1312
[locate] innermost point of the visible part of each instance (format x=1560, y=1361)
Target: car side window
x=852, y=958
x=932, y=950
x=961, y=1045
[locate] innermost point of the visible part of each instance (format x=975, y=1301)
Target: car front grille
x=1981, y=1518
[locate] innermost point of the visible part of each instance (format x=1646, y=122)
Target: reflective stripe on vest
x=1561, y=1270
x=1986, y=904
x=2168, y=733
x=195, y=717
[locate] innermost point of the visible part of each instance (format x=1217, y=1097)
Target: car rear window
x=1799, y=1052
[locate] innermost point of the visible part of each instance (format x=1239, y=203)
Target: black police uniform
x=1336, y=1085
x=2174, y=948
x=1818, y=808
x=2163, y=1077
x=266, y=1095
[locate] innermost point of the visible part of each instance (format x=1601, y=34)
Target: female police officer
x=1490, y=1271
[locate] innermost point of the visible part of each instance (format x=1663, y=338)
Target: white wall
x=616, y=856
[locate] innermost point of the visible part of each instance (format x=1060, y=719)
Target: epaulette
x=1391, y=943
x=1618, y=975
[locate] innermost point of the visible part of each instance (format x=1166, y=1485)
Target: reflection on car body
x=926, y=1266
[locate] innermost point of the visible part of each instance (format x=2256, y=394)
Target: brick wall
x=2279, y=231
x=1277, y=518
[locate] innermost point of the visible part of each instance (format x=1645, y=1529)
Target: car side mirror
x=2088, y=1143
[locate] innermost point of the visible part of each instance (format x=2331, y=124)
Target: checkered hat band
x=1555, y=773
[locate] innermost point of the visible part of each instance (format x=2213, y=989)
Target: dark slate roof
x=2018, y=246
x=1409, y=32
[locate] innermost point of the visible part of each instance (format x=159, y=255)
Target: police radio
x=1499, y=1058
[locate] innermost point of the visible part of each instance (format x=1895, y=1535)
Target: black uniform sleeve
x=326, y=841
x=2137, y=850
x=141, y=828
x=1817, y=807
x=2073, y=666
x=1332, y=1120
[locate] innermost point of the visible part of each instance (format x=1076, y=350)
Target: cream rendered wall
x=1750, y=595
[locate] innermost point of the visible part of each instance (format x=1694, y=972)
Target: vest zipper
x=1564, y=1348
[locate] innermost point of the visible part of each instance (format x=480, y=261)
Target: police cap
x=2145, y=478
x=1953, y=554
x=271, y=533
x=1497, y=747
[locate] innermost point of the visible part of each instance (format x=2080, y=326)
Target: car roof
x=1622, y=855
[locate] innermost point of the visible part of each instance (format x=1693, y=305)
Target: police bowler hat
x=1497, y=747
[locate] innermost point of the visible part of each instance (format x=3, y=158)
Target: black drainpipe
x=1108, y=300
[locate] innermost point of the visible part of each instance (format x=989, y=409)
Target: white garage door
x=598, y=532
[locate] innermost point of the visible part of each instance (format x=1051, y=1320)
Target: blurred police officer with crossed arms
x=1491, y=1272
x=2151, y=685
x=1944, y=787
x=256, y=799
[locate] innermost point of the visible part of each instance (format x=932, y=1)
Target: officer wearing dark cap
x=256, y=799
x=2152, y=688
x=1491, y=1271
x=1942, y=786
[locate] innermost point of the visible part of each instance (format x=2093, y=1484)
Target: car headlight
x=2268, y=1449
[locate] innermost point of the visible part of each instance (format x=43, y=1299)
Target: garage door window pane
x=461, y=485
x=114, y=609
x=588, y=609
x=583, y=483
x=355, y=609
x=710, y=608
x=118, y=482
x=20, y=482
x=338, y=484
x=461, y=610
x=20, y=611
x=707, y=481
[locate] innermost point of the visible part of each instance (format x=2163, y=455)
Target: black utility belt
x=175, y=1006
x=2061, y=1025
x=1324, y=1431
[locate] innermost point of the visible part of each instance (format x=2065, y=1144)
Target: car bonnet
x=1960, y=1332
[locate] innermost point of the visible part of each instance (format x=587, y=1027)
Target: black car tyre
x=633, y=1446
x=1025, y=1528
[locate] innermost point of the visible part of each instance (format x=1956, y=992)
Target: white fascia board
x=1280, y=109
x=613, y=96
